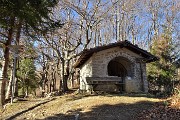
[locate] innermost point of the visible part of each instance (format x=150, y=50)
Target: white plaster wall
x=85, y=71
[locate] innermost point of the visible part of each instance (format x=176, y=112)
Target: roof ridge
x=86, y=54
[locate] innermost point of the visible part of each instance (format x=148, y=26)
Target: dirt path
x=99, y=107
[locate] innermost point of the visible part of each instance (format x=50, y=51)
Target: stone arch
x=120, y=67
x=125, y=56
x=120, y=54
x=116, y=68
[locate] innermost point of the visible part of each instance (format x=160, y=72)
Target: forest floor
x=92, y=107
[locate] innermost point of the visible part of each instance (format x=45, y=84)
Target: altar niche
x=120, y=67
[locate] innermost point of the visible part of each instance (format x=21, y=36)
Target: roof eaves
x=86, y=54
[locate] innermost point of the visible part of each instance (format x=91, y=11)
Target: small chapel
x=116, y=67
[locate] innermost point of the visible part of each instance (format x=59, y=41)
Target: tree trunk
x=59, y=72
x=9, y=86
x=47, y=87
x=23, y=89
x=23, y=84
x=53, y=80
x=4, y=79
x=43, y=84
x=6, y=64
x=18, y=35
x=16, y=87
x=65, y=83
x=65, y=77
x=27, y=92
x=72, y=80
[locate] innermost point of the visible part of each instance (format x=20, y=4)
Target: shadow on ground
x=80, y=96
x=132, y=95
x=106, y=112
x=28, y=109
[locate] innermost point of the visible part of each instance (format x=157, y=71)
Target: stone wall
x=101, y=59
x=145, y=77
x=96, y=66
